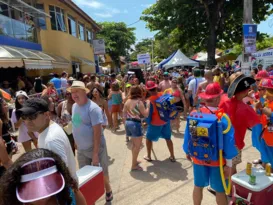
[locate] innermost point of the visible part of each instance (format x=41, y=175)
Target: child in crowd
x=116, y=96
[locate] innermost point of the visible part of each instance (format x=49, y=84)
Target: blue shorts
x=133, y=129
x=266, y=152
x=205, y=176
x=156, y=132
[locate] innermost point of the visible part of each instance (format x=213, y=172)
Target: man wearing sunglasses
x=35, y=114
x=166, y=83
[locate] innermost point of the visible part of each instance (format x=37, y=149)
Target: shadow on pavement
x=178, y=135
x=120, y=132
x=162, y=170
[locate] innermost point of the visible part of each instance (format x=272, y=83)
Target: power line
x=134, y=23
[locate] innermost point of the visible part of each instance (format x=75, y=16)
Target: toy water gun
x=5, y=95
x=220, y=113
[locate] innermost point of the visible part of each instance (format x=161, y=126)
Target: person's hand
x=95, y=160
x=267, y=111
x=227, y=172
x=258, y=105
x=188, y=157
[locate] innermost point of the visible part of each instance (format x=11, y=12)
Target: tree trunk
x=211, y=47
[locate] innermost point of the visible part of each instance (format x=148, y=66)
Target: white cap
x=21, y=92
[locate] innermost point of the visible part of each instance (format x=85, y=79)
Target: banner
x=143, y=58
x=264, y=58
x=99, y=47
x=250, y=34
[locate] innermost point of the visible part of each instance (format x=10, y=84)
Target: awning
x=24, y=7
x=31, y=59
x=84, y=61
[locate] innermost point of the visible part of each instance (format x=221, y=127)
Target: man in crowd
x=193, y=87
x=157, y=128
x=57, y=83
x=87, y=122
x=166, y=83
x=93, y=84
x=64, y=82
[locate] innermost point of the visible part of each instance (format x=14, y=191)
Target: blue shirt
x=57, y=84
x=83, y=119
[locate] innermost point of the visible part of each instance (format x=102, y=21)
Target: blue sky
x=129, y=11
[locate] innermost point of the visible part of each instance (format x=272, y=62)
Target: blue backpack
x=166, y=107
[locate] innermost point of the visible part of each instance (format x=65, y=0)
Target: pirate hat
x=239, y=84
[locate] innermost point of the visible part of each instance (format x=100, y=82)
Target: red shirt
x=242, y=117
x=155, y=115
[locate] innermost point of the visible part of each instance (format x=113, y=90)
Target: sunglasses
x=31, y=117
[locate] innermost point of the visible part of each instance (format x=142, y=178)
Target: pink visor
x=40, y=179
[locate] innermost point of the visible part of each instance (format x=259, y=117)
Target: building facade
x=38, y=37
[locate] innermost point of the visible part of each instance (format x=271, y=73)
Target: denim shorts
x=133, y=129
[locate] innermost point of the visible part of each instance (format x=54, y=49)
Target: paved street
x=162, y=181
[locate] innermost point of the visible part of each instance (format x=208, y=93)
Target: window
x=57, y=18
x=89, y=36
x=81, y=32
x=41, y=20
x=72, y=26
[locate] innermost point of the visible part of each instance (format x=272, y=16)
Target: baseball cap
x=21, y=92
x=33, y=106
x=40, y=179
x=165, y=73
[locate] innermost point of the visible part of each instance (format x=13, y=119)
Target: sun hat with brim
x=78, y=85
x=40, y=179
x=71, y=79
x=33, y=106
x=150, y=85
x=266, y=83
x=239, y=84
x=21, y=92
x=213, y=90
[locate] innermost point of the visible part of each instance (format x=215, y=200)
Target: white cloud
x=104, y=15
x=146, y=5
x=90, y=3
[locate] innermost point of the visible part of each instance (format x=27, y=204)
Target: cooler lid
x=262, y=181
x=86, y=173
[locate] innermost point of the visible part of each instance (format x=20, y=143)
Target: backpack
x=166, y=108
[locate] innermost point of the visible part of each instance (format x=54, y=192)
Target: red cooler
x=91, y=183
x=259, y=194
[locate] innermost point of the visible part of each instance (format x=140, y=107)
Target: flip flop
x=138, y=168
x=172, y=159
x=147, y=159
x=109, y=196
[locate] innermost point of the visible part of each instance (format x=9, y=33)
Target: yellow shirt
x=217, y=79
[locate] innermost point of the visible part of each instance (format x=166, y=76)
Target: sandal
x=147, y=159
x=138, y=168
x=172, y=159
x=109, y=196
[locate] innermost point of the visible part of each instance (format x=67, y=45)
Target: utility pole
x=248, y=14
x=152, y=66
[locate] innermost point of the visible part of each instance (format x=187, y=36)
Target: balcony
x=17, y=29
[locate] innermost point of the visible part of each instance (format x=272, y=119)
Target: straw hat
x=79, y=85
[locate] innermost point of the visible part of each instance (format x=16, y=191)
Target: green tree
x=203, y=24
x=118, y=39
x=144, y=46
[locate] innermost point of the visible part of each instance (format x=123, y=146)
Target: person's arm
x=80, y=200
x=96, y=121
x=144, y=111
x=4, y=157
x=110, y=95
x=124, y=112
x=17, y=123
x=106, y=110
x=59, y=109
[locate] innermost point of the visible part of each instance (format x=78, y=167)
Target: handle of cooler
x=237, y=196
x=221, y=147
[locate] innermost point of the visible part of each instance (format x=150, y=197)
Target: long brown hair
x=135, y=92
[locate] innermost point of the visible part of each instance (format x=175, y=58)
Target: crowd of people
x=70, y=114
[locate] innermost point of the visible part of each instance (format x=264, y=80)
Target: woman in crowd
x=179, y=101
x=25, y=137
x=51, y=91
x=5, y=160
x=97, y=97
x=133, y=111
x=11, y=146
x=38, y=86
x=51, y=107
x=116, y=96
x=52, y=184
x=64, y=114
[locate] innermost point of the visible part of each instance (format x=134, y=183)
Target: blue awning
x=161, y=64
